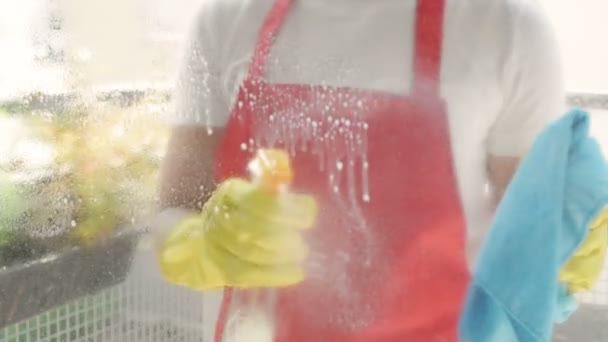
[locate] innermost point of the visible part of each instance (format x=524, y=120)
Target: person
x=405, y=120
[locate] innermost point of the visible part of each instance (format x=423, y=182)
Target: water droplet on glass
x=73, y=223
x=240, y=104
x=366, y=198
x=360, y=104
x=339, y=165
x=243, y=147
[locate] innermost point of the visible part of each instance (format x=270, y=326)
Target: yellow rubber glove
x=583, y=270
x=248, y=235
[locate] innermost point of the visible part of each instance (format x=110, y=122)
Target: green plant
x=108, y=159
x=13, y=243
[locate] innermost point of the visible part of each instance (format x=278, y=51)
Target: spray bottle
x=251, y=315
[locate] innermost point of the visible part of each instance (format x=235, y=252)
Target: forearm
x=187, y=176
x=500, y=173
x=183, y=187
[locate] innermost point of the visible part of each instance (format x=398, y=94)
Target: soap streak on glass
x=332, y=128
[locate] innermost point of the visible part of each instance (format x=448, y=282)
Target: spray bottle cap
x=272, y=169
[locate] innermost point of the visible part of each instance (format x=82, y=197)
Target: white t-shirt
x=501, y=75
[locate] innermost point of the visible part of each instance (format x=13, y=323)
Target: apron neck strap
x=428, y=46
x=428, y=43
x=270, y=29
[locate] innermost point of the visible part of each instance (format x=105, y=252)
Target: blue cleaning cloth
x=561, y=186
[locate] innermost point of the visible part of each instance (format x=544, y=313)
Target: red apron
x=388, y=260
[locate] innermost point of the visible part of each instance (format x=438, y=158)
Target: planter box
x=35, y=287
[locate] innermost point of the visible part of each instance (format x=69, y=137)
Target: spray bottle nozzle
x=272, y=169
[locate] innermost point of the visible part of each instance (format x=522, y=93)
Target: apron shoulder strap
x=270, y=28
x=428, y=43
x=428, y=46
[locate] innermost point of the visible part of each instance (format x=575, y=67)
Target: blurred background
x=72, y=67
